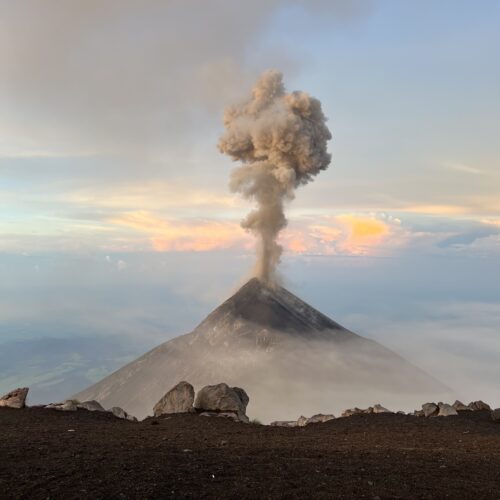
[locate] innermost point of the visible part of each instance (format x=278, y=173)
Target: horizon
x=119, y=230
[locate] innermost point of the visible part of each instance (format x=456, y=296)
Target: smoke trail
x=280, y=138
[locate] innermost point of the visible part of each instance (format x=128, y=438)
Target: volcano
x=290, y=358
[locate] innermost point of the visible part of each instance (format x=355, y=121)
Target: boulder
x=90, y=406
x=495, y=415
x=446, y=410
x=284, y=423
x=319, y=418
x=243, y=396
x=302, y=421
x=68, y=405
x=459, y=406
x=222, y=398
x=15, y=398
x=121, y=413
x=430, y=409
x=352, y=411
x=224, y=414
x=478, y=406
x=179, y=399
x=380, y=409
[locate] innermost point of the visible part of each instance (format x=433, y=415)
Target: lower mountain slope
x=290, y=358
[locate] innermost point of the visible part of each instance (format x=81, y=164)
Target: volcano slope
x=290, y=358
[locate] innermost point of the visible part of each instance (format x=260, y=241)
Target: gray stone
x=446, y=410
x=495, y=415
x=301, y=421
x=179, y=399
x=352, y=411
x=479, y=406
x=319, y=418
x=90, y=406
x=284, y=423
x=220, y=398
x=459, y=406
x=121, y=413
x=68, y=405
x=243, y=396
x=430, y=409
x=15, y=398
x=223, y=414
x=380, y=409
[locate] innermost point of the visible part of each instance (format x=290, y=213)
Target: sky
x=118, y=230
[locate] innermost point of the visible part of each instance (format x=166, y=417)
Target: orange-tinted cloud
x=345, y=234
x=362, y=233
x=197, y=236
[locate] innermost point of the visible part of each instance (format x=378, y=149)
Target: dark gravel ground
x=51, y=454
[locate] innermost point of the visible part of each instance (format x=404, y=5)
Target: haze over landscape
x=119, y=230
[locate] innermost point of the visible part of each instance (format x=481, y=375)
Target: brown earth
x=51, y=454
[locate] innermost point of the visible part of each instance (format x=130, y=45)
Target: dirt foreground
x=51, y=454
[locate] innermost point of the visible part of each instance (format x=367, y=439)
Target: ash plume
x=281, y=140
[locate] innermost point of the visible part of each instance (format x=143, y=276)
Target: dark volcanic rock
x=15, y=398
x=179, y=399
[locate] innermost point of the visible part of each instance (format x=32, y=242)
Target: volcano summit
x=290, y=358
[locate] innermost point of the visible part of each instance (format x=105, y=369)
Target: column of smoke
x=281, y=140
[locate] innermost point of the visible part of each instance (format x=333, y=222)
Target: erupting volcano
x=290, y=358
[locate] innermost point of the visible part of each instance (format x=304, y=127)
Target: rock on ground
x=90, y=406
x=15, y=398
x=121, y=413
x=302, y=421
x=459, y=406
x=179, y=399
x=380, y=409
x=430, y=409
x=446, y=410
x=68, y=405
x=284, y=423
x=495, y=415
x=352, y=411
x=221, y=398
x=319, y=418
x=223, y=414
x=371, y=409
x=479, y=405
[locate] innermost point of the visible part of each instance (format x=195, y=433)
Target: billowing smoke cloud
x=281, y=140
